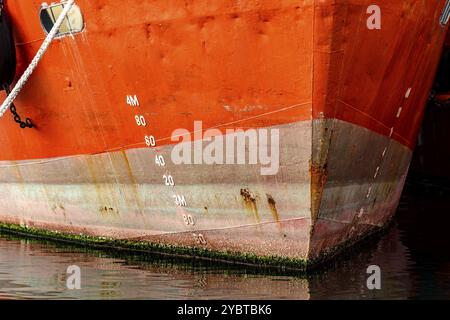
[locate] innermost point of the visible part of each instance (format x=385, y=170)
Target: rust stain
x=273, y=208
x=92, y=171
x=133, y=183
x=128, y=167
x=104, y=192
x=250, y=203
x=318, y=178
x=318, y=167
x=105, y=210
x=59, y=208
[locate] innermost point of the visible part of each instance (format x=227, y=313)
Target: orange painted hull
x=312, y=65
x=186, y=62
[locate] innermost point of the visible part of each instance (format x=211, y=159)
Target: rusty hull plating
x=348, y=102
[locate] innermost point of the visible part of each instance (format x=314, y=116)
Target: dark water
x=414, y=257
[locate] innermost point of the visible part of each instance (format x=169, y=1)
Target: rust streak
x=318, y=179
x=273, y=210
x=133, y=181
x=250, y=203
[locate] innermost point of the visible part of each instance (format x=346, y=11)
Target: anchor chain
x=23, y=124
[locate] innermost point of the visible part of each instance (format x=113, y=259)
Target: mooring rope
x=34, y=63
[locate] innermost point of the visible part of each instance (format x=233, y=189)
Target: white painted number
x=159, y=160
x=150, y=141
x=199, y=238
x=168, y=180
x=188, y=220
x=132, y=100
x=140, y=120
x=180, y=200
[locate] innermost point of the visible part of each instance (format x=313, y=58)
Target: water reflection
x=413, y=255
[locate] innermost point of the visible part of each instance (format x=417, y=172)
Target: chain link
x=23, y=124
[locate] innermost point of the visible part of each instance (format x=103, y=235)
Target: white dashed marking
x=408, y=92
x=392, y=132
x=376, y=172
x=368, y=192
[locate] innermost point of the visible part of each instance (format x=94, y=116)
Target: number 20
x=168, y=180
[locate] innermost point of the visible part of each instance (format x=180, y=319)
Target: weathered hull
x=333, y=89
x=120, y=195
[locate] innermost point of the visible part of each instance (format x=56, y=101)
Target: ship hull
x=338, y=103
x=119, y=195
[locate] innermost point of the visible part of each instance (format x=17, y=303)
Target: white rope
x=26, y=75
